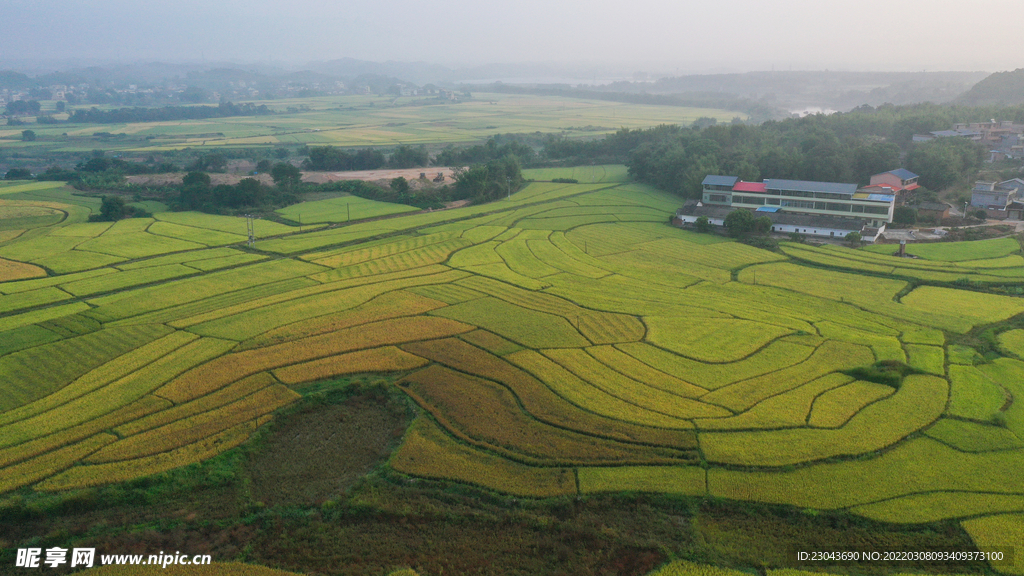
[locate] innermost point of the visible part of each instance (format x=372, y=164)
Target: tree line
x=165, y=113
x=848, y=147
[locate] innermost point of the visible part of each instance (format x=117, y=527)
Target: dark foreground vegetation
x=312, y=492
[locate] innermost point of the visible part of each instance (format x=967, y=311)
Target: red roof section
x=749, y=187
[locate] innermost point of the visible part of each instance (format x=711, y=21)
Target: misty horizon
x=649, y=36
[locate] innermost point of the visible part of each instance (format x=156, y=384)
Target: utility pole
x=348, y=212
x=250, y=229
x=509, y=180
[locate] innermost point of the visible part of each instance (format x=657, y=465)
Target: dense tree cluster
x=330, y=158
x=22, y=107
x=113, y=208
x=490, y=181
x=846, y=147
x=409, y=157
x=165, y=113
x=198, y=193
x=491, y=150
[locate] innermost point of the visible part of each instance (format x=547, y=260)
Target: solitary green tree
x=285, y=174
x=853, y=238
x=762, y=225
x=739, y=223
x=112, y=208
x=702, y=224
x=904, y=215
x=28, y=135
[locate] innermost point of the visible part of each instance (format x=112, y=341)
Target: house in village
x=1000, y=200
x=826, y=209
x=901, y=183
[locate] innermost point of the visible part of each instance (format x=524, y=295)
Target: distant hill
x=837, y=90
x=1005, y=88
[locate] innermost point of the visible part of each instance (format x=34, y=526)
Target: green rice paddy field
x=566, y=341
x=369, y=121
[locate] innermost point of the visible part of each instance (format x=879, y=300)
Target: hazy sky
x=705, y=36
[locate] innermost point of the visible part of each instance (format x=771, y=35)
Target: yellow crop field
x=386, y=359
x=567, y=340
x=11, y=270
x=428, y=452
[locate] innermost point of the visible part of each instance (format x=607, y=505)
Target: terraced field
x=565, y=340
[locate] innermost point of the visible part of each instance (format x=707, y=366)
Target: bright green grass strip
x=618, y=294
x=1012, y=342
x=935, y=506
x=33, y=373
x=884, y=347
x=919, y=402
x=587, y=396
x=930, y=359
x=126, y=279
x=26, y=249
x=956, y=251
x=1010, y=375
x=128, y=226
x=973, y=395
x=959, y=354
x=179, y=258
x=549, y=253
x=28, y=186
x=119, y=393
x=503, y=273
x=192, y=234
x=688, y=480
x=32, y=298
x=637, y=393
x=447, y=293
x=973, y=437
x=787, y=410
x=26, y=285
x=725, y=255
x=162, y=341
x=657, y=269
x=922, y=335
x=253, y=318
x=521, y=260
x=711, y=339
x=831, y=356
x=86, y=230
x=476, y=255
x=1004, y=531
x=834, y=408
x=25, y=337
x=225, y=261
x=142, y=300
x=230, y=224
x=76, y=261
x=36, y=316
x=136, y=244
x=918, y=465
x=342, y=209
x=526, y=327
x=219, y=302
x=583, y=174
x=977, y=307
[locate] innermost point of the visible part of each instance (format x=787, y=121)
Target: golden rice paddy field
x=566, y=341
x=369, y=121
